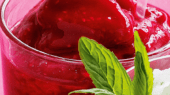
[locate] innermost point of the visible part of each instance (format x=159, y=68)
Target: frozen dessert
x=56, y=25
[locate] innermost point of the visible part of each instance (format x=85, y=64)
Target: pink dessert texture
x=57, y=25
x=55, y=28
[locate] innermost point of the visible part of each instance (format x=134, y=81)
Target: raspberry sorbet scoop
x=56, y=26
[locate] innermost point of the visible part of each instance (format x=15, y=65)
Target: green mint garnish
x=108, y=74
x=143, y=78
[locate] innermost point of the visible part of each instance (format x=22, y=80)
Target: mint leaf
x=95, y=91
x=143, y=78
x=104, y=68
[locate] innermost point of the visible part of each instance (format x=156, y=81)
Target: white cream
x=161, y=83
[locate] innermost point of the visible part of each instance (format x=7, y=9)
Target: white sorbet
x=161, y=83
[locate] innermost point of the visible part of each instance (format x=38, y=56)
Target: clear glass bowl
x=160, y=63
x=27, y=71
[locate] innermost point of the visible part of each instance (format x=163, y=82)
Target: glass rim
x=150, y=60
x=17, y=41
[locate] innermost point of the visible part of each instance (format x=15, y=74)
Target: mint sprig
x=108, y=74
x=143, y=78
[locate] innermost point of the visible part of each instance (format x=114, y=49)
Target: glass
x=27, y=71
x=160, y=63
